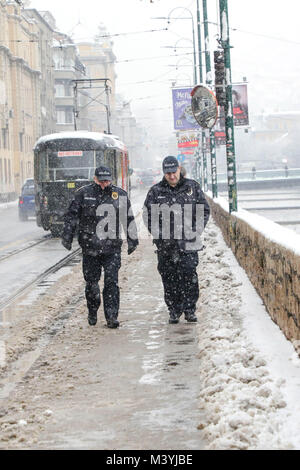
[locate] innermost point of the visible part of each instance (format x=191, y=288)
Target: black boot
x=112, y=323
x=174, y=318
x=191, y=317
x=92, y=318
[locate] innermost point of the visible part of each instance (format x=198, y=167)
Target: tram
x=66, y=161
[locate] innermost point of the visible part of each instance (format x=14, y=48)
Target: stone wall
x=273, y=270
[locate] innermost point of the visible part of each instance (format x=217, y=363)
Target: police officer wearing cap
x=177, y=251
x=98, y=210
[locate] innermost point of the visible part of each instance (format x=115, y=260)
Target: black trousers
x=92, y=269
x=180, y=280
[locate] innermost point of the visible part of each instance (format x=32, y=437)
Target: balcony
x=64, y=101
x=61, y=74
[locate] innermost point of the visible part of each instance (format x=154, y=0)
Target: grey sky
x=270, y=65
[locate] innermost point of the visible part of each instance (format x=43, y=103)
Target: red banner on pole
x=188, y=144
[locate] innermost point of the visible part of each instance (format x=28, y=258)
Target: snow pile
x=242, y=403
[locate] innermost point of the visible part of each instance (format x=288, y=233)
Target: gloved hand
x=131, y=249
x=67, y=244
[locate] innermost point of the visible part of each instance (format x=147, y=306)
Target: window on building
x=68, y=89
x=69, y=116
x=21, y=141
x=63, y=88
x=65, y=115
x=60, y=116
x=5, y=171
x=59, y=89
x=4, y=138
x=58, y=61
x=9, y=172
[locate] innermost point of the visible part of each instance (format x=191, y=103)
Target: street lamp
x=184, y=18
x=175, y=47
x=181, y=77
x=180, y=63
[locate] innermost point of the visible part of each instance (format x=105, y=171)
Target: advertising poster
x=182, y=109
x=240, y=104
x=188, y=142
x=240, y=113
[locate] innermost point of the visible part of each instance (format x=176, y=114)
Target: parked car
x=134, y=177
x=157, y=175
x=27, y=200
x=146, y=179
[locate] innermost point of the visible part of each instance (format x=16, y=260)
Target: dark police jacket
x=87, y=212
x=186, y=198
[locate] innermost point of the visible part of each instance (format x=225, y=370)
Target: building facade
x=39, y=68
x=99, y=61
x=67, y=68
x=46, y=27
x=20, y=85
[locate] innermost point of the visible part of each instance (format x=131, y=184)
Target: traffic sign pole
x=230, y=147
x=214, y=183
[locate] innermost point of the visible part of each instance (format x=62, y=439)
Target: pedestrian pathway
x=132, y=388
x=232, y=381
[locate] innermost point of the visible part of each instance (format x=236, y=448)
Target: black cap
x=103, y=173
x=170, y=164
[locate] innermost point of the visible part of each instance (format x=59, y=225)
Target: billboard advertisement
x=240, y=104
x=182, y=109
x=240, y=113
x=187, y=143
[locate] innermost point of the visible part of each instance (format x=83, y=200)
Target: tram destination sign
x=71, y=153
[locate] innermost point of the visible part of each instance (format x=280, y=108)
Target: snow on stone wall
x=272, y=267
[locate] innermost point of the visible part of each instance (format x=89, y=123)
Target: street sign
x=181, y=158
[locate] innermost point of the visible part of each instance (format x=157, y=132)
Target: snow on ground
x=249, y=379
x=6, y=205
x=250, y=374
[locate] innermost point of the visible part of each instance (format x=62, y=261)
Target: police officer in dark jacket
x=98, y=210
x=175, y=213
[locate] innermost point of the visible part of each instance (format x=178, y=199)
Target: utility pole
x=203, y=144
x=108, y=112
x=230, y=148
x=209, y=82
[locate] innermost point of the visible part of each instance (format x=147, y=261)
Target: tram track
x=18, y=365
x=38, y=279
x=17, y=251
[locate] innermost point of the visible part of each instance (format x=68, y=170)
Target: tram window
x=41, y=166
x=100, y=158
x=67, y=165
x=111, y=162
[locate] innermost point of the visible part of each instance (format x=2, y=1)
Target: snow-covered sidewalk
x=250, y=375
x=232, y=381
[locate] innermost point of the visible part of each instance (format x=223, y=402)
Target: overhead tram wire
x=266, y=36
x=157, y=30
x=149, y=81
x=134, y=32
x=83, y=39
x=149, y=58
